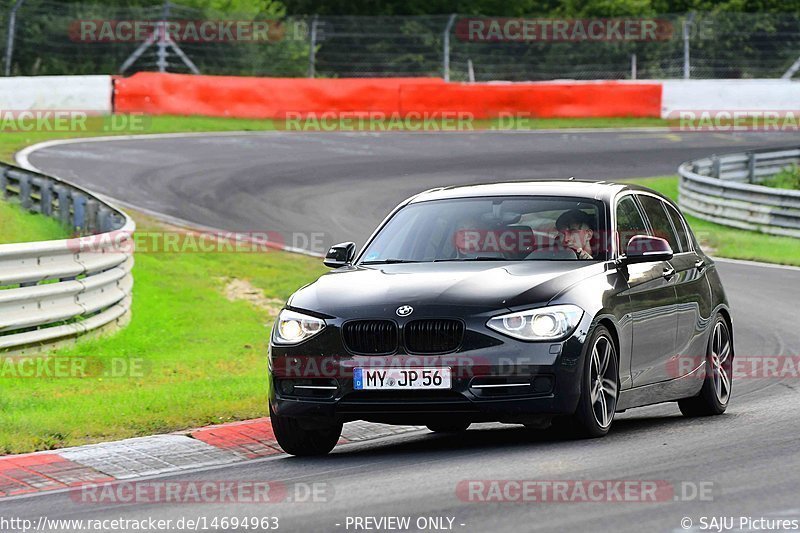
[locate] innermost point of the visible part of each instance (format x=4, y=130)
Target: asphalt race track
x=345, y=183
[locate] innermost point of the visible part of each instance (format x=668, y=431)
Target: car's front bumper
x=314, y=380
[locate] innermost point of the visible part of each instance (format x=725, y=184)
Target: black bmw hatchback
x=538, y=303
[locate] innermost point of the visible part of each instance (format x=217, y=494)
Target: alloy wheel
x=603, y=381
x=721, y=362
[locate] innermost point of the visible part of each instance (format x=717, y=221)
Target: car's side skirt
x=665, y=391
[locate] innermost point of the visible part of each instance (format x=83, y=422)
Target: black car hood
x=474, y=286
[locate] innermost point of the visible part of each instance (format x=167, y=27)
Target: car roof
x=597, y=190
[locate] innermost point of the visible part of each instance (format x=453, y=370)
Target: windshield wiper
x=387, y=262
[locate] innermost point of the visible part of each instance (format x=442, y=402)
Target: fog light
x=287, y=387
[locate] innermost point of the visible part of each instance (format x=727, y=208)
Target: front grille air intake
x=370, y=337
x=433, y=336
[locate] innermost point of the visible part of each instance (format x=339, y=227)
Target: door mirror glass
x=340, y=255
x=646, y=249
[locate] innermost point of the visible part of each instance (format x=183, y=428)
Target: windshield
x=492, y=229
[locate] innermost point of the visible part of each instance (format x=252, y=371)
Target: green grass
x=733, y=243
x=17, y=225
x=203, y=356
x=788, y=178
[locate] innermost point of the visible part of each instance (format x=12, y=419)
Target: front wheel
x=598, y=401
x=297, y=440
x=716, y=392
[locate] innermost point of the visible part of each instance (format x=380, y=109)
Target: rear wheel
x=598, y=401
x=448, y=427
x=716, y=392
x=297, y=440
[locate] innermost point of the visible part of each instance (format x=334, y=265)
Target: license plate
x=401, y=378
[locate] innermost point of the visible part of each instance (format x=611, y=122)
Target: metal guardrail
x=726, y=190
x=53, y=291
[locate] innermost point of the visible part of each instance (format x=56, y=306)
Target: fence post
x=104, y=220
x=12, y=28
x=715, y=166
x=3, y=184
x=687, y=67
x=46, y=197
x=162, y=40
x=312, y=49
x=92, y=207
x=751, y=167
x=633, y=66
x=25, y=191
x=63, y=203
x=446, y=51
x=78, y=211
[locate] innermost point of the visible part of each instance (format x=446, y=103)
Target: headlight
x=544, y=324
x=293, y=327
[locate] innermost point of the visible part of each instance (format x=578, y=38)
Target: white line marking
x=23, y=160
x=756, y=264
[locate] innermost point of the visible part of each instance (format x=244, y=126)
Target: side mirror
x=340, y=255
x=645, y=249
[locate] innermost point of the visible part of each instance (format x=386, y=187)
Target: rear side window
x=680, y=229
x=660, y=221
x=629, y=222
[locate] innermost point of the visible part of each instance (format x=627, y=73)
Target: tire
x=598, y=400
x=717, y=384
x=295, y=440
x=448, y=427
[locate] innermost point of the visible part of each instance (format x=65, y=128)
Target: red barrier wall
x=181, y=94
x=547, y=100
x=227, y=96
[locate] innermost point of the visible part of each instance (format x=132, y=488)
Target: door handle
x=700, y=265
x=668, y=273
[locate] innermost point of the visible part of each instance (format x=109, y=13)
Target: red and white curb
x=159, y=454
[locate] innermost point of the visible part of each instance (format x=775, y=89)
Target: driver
x=575, y=232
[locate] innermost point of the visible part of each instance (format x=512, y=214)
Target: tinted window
x=680, y=229
x=521, y=228
x=629, y=222
x=659, y=220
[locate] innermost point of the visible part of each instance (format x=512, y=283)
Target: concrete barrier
x=60, y=93
x=728, y=95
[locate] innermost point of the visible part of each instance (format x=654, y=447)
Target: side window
x=659, y=220
x=680, y=229
x=629, y=222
